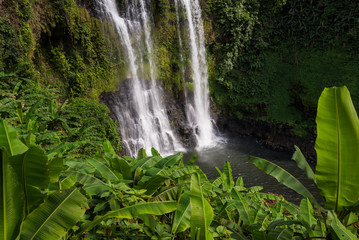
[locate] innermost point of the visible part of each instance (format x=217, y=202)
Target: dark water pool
x=236, y=150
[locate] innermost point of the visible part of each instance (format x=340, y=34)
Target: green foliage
x=95, y=117
x=12, y=208
x=234, y=23
x=201, y=211
x=60, y=127
x=150, y=198
x=320, y=24
x=283, y=177
x=72, y=46
x=10, y=50
x=160, y=9
x=24, y=178
x=56, y=216
x=337, y=149
x=273, y=58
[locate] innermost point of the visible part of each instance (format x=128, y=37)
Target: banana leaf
x=51, y=220
x=282, y=234
x=155, y=152
x=11, y=200
x=68, y=182
x=154, y=184
x=226, y=176
x=201, y=211
x=56, y=165
x=187, y=170
x=283, y=177
x=337, y=229
x=32, y=110
x=119, y=164
x=320, y=230
x=104, y=170
x=107, y=147
x=33, y=171
x=169, y=193
x=182, y=219
x=141, y=154
x=242, y=206
x=302, y=163
x=337, y=149
x=146, y=163
x=306, y=216
x=92, y=185
x=153, y=208
x=9, y=140
x=169, y=161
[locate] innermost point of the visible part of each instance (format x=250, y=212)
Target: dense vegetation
x=59, y=43
x=268, y=60
x=273, y=58
x=46, y=193
x=62, y=176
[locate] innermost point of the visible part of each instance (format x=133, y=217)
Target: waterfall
x=142, y=116
x=198, y=103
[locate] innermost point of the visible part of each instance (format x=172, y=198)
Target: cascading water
x=142, y=116
x=198, y=106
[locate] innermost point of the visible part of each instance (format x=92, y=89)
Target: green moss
x=161, y=10
x=10, y=50
x=23, y=9
x=170, y=67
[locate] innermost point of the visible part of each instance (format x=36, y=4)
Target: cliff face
x=267, y=61
x=62, y=43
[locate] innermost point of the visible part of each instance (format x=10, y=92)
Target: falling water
x=141, y=114
x=198, y=106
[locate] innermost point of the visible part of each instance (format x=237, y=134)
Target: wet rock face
x=176, y=113
x=111, y=99
x=174, y=106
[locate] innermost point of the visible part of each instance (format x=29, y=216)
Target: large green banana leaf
x=283, y=177
x=11, y=200
x=153, y=208
x=201, y=211
x=182, y=219
x=33, y=171
x=337, y=147
x=9, y=140
x=51, y=220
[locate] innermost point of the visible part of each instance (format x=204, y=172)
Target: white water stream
x=142, y=117
x=198, y=106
